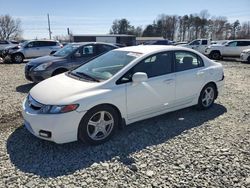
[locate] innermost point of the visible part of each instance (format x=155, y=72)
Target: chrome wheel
x=208, y=96
x=100, y=125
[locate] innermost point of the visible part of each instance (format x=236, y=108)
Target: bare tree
x=10, y=28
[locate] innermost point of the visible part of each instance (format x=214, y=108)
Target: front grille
x=34, y=104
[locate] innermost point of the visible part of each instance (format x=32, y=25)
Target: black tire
x=17, y=58
x=248, y=59
x=85, y=128
x=59, y=71
x=215, y=55
x=205, y=102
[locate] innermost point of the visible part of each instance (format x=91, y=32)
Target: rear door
x=190, y=76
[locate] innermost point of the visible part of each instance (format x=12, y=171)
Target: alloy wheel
x=208, y=97
x=100, y=125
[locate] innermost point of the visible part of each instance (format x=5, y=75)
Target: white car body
x=245, y=56
x=135, y=101
x=232, y=48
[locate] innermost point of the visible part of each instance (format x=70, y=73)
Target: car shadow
x=47, y=159
x=25, y=88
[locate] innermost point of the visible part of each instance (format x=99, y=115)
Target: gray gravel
x=187, y=148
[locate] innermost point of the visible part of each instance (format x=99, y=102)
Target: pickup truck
x=231, y=48
x=199, y=44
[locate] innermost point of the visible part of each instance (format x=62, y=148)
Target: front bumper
x=36, y=76
x=244, y=57
x=63, y=128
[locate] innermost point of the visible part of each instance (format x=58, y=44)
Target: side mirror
x=51, y=53
x=139, y=77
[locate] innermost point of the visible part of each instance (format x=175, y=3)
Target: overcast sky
x=96, y=16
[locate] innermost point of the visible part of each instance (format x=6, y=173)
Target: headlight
x=42, y=66
x=57, y=109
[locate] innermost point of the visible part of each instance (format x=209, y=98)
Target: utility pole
x=49, y=27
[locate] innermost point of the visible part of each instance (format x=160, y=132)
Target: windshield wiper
x=86, y=76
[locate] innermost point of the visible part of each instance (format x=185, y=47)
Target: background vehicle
x=67, y=58
x=124, y=85
x=6, y=43
x=232, y=48
x=199, y=44
x=245, y=55
x=32, y=49
x=159, y=42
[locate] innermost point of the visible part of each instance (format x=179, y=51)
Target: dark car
x=159, y=42
x=67, y=58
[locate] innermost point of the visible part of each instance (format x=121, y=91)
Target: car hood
x=62, y=89
x=217, y=45
x=45, y=59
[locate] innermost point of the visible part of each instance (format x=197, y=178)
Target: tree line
x=186, y=28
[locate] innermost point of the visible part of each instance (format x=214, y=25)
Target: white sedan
x=118, y=88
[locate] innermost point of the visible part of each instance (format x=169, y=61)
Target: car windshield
x=107, y=65
x=65, y=51
x=23, y=44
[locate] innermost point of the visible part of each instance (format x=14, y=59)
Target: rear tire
x=207, y=97
x=98, y=125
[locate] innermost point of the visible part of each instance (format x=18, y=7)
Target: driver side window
x=155, y=65
x=232, y=44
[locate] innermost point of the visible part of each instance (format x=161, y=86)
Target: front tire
x=98, y=125
x=18, y=58
x=215, y=55
x=207, y=97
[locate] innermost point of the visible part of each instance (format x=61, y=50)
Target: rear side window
x=185, y=60
x=243, y=43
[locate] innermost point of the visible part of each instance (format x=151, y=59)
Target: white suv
x=232, y=48
x=33, y=48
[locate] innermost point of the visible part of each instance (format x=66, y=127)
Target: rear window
x=243, y=43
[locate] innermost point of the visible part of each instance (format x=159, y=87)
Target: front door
x=155, y=94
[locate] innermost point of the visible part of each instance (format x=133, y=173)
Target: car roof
x=85, y=43
x=145, y=49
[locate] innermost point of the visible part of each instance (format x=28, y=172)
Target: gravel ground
x=186, y=148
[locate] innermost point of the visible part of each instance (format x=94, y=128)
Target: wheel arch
x=121, y=122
